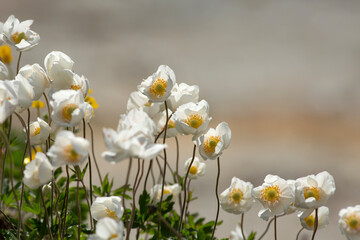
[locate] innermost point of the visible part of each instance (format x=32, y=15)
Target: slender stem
x=93, y=151
x=78, y=208
x=46, y=213
x=148, y=173
x=152, y=175
x=163, y=220
x=316, y=224
x=125, y=188
x=2, y=171
x=66, y=199
x=298, y=234
x=18, y=63
x=217, y=197
x=242, y=226
x=275, y=232
x=187, y=201
x=267, y=229
x=160, y=170
x=57, y=195
x=48, y=108
x=85, y=192
x=177, y=169
x=184, y=187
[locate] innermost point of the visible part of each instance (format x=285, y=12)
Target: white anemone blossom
x=69, y=108
x=39, y=132
x=160, y=121
x=133, y=138
x=182, y=94
x=308, y=221
x=158, y=86
x=38, y=172
x=18, y=34
x=68, y=149
x=197, y=168
x=155, y=192
x=314, y=191
x=192, y=118
x=108, y=229
x=24, y=91
x=349, y=222
x=4, y=72
x=275, y=194
x=8, y=99
x=107, y=207
x=36, y=77
x=214, y=141
x=139, y=101
x=237, y=199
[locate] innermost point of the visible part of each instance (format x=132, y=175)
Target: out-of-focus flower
x=107, y=207
x=236, y=235
x=68, y=149
x=308, y=221
x=4, y=73
x=107, y=228
x=8, y=99
x=37, y=78
x=38, y=172
x=69, y=107
x=38, y=104
x=160, y=121
x=24, y=91
x=5, y=54
x=197, y=169
x=155, y=192
x=192, y=118
x=182, y=94
x=314, y=191
x=349, y=222
x=139, y=101
x=237, y=198
x=158, y=86
x=33, y=153
x=139, y=123
x=291, y=209
x=212, y=143
x=275, y=194
x=39, y=131
x=92, y=102
x=19, y=35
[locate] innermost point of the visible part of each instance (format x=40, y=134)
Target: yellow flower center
x=193, y=170
x=113, y=236
x=92, y=102
x=158, y=88
x=166, y=191
x=311, y=192
x=71, y=154
x=148, y=104
x=37, y=104
x=194, y=121
x=33, y=153
x=171, y=124
x=310, y=221
x=210, y=144
x=236, y=195
x=5, y=54
x=111, y=214
x=75, y=87
x=270, y=194
x=353, y=222
x=17, y=37
x=68, y=110
x=37, y=131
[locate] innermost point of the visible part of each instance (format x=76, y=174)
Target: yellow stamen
x=37, y=104
x=210, y=144
x=75, y=87
x=236, y=195
x=68, y=110
x=310, y=221
x=71, y=154
x=171, y=124
x=158, y=88
x=113, y=236
x=148, y=104
x=193, y=170
x=33, y=153
x=92, y=102
x=37, y=131
x=5, y=54
x=111, y=214
x=353, y=222
x=17, y=37
x=270, y=194
x=194, y=121
x=311, y=192
x=166, y=191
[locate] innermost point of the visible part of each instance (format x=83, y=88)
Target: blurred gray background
x=284, y=74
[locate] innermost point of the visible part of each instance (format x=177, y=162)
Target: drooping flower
x=107, y=207
x=160, y=121
x=275, y=194
x=19, y=35
x=91, y=100
x=38, y=172
x=158, y=86
x=314, y=191
x=37, y=78
x=237, y=198
x=182, y=94
x=108, y=229
x=139, y=101
x=4, y=73
x=8, y=99
x=5, y=54
x=68, y=149
x=155, y=192
x=192, y=118
x=69, y=107
x=39, y=132
x=214, y=141
x=236, y=235
x=308, y=221
x=197, y=168
x=24, y=91
x=349, y=222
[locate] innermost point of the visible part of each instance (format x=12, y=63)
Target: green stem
x=275, y=231
x=298, y=234
x=46, y=213
x=217, y=198
x=316, y=224
x=242, y=226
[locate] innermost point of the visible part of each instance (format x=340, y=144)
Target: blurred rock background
x=284, y=74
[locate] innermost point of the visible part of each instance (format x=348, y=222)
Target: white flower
x=155, y=192
x=158, y=86
x=160, y=121
x=275, y=194
x=214, y=141
x=139, y=123
x=68, y=149
x=192, y=118
x=182, y=94
x=291, y=209
x=107, y=207
x=197, y=169
x=236, y=235
x=237, y=198
x=24, y=92
x=8, y=99
x=349, y=222
x=139, y=101
x=69, y=107
x=36, y=77
x=58, y=67
x=38, y=172
x=308, y=221
x=39, y=131
x=107, y=228
x=18, y=34
x=4, y=73
x=314, y=191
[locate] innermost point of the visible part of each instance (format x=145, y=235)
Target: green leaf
x=251, y=236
